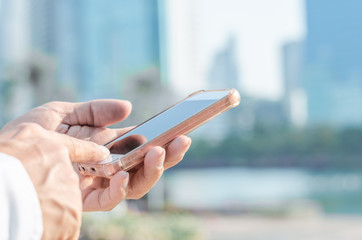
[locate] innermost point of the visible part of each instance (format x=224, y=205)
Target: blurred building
x=28, y=63
x=14, y=31
x=148, y=95
x=224, y=71
x=332, y=75
x=267, y=113
x=97, y=44
x=224, y=74
x=294, y=99
x=53, y=33
x=74, y=50
x=14, y=52
x=185, y=63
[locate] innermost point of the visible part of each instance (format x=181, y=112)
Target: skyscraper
x=14, y=51
x=332, y=68
x=294, y=99
x=116, y=39
x=224, y=74
x=97, y=44
x=186, y=65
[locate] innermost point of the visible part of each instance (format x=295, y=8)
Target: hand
x=47, y=156
x=88, y=121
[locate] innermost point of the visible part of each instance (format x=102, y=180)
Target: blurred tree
x=315, y=148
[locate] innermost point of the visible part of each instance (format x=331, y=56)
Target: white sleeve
x=20, y=212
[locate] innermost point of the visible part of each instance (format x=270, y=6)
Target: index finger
x=81, y=150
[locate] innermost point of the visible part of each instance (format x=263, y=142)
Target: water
x=245, y=189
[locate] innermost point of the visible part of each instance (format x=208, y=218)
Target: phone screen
x=165, y=121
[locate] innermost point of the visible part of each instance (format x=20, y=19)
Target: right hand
x=89, y=121
x=47, y=158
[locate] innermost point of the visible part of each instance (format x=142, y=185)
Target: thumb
x=81, y=150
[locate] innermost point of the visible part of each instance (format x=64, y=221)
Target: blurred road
x=261, y=228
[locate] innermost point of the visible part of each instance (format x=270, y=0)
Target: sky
x=198, y=29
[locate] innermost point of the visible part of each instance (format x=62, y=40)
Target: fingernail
x=188, y=144
x=128, y=102
x=160, y=163
x=125, y=176
x=105, y=151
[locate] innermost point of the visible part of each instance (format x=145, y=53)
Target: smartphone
x=129, y=149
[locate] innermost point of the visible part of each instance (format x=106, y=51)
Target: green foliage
x=132, y=226
x=316, y=148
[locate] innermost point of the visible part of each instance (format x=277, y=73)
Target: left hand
x=89, y=121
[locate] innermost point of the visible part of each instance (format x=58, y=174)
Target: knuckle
x=70, y=174
x=75, y=214
x=73, y=148
x=62, y=150
x=75, y=220
x=78, y=214
x=73, y=177
x=30, y=129
x=56, y=107
x=52, y=104
x=30, y=125
x=93, y=149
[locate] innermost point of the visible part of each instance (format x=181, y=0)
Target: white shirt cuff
x=20, y=212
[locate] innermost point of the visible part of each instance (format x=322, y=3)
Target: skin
x=47, y=157
x=89, y=121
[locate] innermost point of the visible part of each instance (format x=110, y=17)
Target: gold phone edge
x=135, y=156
